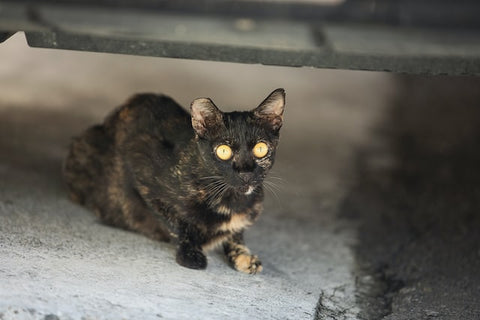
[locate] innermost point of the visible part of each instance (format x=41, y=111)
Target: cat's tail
x=85, y=163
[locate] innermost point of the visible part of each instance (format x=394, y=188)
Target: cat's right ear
x=205, y=116
x=270, y=111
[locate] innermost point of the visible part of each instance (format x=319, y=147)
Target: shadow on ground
x=417, y=202
x=37, y=142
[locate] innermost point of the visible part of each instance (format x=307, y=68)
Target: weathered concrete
x=57, y=260
x=376, y=215
x=417, y=203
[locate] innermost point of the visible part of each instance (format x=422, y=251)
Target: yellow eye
x=223, y=152
x=260, y=150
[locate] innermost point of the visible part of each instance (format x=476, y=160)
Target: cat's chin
x=249, y=190
x=246, y=190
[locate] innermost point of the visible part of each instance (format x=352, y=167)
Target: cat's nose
x=246, y=176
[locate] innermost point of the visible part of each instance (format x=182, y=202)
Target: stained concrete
x=419, y=213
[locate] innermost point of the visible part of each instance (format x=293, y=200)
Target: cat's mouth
x=246, y=183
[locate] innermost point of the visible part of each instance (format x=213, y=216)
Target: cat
x=192, y=179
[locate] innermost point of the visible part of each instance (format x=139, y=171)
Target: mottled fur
x=151, y=167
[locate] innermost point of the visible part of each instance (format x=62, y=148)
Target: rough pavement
x=57, y=260
x=375, y=214
x=417, y=201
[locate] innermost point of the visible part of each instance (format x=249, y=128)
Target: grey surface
x=376, y=216
x=55, y=258
x=364, y=35
x=419, y=213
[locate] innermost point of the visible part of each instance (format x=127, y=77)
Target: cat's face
x=238, y=148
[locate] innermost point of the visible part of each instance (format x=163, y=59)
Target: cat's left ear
x=205, y=116
x=270, y=111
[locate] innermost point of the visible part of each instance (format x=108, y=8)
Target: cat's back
x=143, y=121
x=151, y=114
x=147, y=108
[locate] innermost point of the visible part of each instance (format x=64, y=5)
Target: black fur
x=152, y=167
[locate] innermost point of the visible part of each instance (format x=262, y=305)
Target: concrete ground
x=375, y=213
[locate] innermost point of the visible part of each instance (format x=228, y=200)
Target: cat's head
x=238, y=148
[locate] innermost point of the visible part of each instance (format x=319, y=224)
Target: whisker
x=210, y=178
x=216, y=192
x=214, y=199
x=279, y=179
x=213, y=184
x=278, y=184
x=275, y=174
x=269, y=188
x=214, y=189
x=273, y=185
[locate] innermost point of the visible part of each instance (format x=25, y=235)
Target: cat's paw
x=247, y=263
x=191, y=258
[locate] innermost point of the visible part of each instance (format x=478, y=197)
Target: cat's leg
x=189, y=252
x=239, y=255
x=126, y=211
x=122, y=206
x=138, y=216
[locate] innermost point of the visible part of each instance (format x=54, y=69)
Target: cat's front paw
x=247, y=263
x=192, y=258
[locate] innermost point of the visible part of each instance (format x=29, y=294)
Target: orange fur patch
x=125, y=114
x=237, y=223
x=223, y=210
x=215, y=243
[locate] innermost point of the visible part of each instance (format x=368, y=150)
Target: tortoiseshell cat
x=193, y=179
